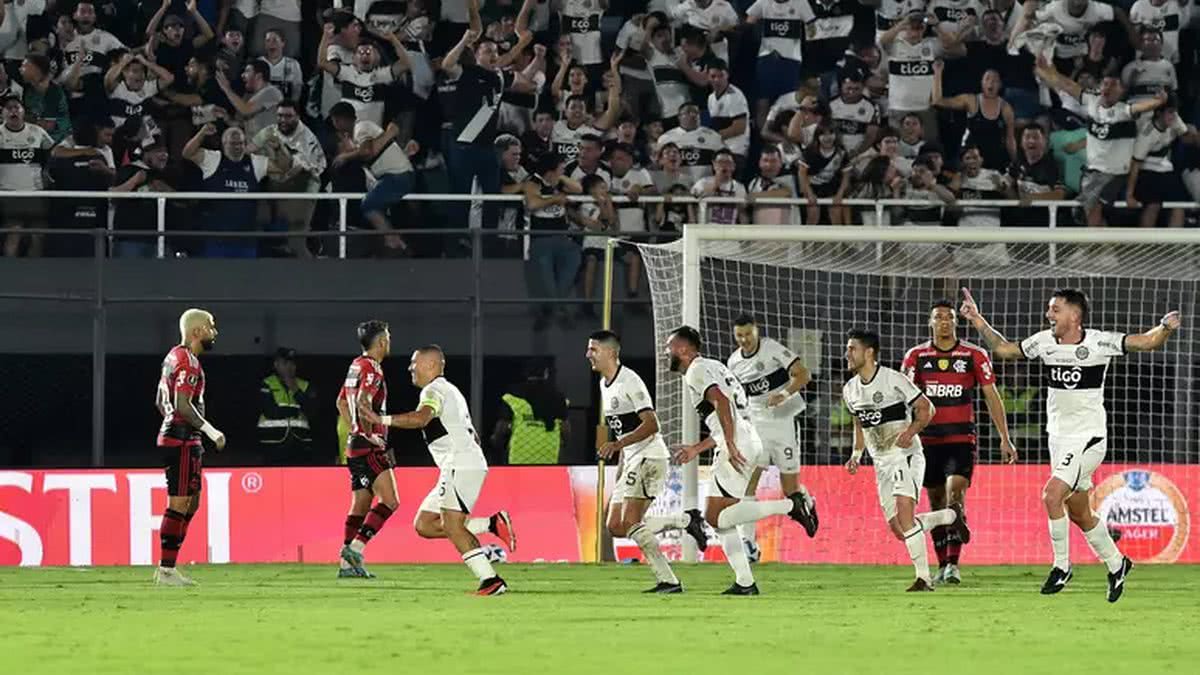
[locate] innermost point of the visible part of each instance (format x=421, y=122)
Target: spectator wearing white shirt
x=1167, y=16
x=1112, y=131
x=14, y=19
x=286, y=72
x=771, y=182
x=722, y=184
x=308, y=163
x=362, y=83
x=781, y=50
x=23, y=153
x=631, y=182
x=1150, y=71
x=89, y=51
x=715, y=18
x=1152, y=176
x=911, y=54
x=282, y=16
x=729, y=112
x=129, y=88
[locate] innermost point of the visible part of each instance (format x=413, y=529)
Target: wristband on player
x=209, y=430
x=1163, y=322
x=856, y=455
x=385, y=420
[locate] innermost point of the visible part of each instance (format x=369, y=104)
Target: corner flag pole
x=601, y=429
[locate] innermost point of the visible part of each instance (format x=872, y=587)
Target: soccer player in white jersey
x=633, y=433
x=1075, y=362
x=722, y=405
x=772, y=376
x=889, y=411
x=445, y=421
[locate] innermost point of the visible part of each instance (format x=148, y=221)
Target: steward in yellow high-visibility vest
x=284, y=430
x=532, y=424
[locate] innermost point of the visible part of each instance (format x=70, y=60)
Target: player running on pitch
x=445, y=421
x=948, y=370
x=721, y=403
x=889, y=411
x=180, y=399
x=772, y=376
x=1075, y=362
x=642, y=474
x=367, y=456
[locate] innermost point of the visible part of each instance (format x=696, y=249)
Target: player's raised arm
x=647, y=428
x=1001, y=348
x=1155, y=338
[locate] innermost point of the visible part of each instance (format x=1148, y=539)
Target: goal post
x=808, y=285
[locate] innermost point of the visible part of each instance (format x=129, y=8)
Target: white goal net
x=808, y=286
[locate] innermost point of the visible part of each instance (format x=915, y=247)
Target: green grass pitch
x=593, y=619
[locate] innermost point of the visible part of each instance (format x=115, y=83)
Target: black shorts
x=951, y=459
x=364, y=469
x=1156, y=188
x=183, y=466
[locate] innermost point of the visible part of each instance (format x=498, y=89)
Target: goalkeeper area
x=807, y=287
x=591, y=619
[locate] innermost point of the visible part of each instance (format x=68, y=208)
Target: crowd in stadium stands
x=941, y=101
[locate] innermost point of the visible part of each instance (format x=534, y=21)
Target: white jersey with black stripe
x=765, y=372
x=704, y=374
x=625, y=399
x=883, y=407
x=1074, y=376
x=450, y=435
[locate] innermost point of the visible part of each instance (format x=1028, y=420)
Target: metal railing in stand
x=343, y=199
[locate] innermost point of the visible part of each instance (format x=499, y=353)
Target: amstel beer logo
x=1148, y=510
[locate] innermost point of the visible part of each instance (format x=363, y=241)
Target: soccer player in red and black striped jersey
x=363, y=402
x=948, y=371
x=180, y=399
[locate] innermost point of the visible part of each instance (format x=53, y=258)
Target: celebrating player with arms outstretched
x=772, y=376
x=445, y=421
x=180, y=399
x=948, y=370
x=1075, y=362
x=642, y=475
x=889, y=411
x=367, y=456
x=722, y=405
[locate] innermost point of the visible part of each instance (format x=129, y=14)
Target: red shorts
x=182, y=463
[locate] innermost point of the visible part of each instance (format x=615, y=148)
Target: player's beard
x=207, y=344
x=676, y=364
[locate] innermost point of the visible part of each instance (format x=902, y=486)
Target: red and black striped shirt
x=949, y=379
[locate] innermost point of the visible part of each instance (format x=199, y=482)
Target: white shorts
x=781, y=443
x=456, y=490
x=641, y=479
x=726, y=481
x=1073, y=459
x=898, y=475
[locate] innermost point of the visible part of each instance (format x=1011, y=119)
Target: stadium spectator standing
x=233, y=170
